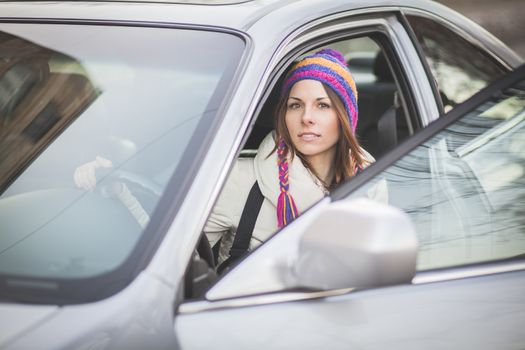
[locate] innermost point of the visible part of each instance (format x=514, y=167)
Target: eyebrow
x=317, y=99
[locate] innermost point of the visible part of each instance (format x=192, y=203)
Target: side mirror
x=357, y=244
x=347, y=244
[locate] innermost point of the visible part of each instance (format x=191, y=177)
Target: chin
x=310, y=150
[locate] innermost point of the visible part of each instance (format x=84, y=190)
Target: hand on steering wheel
x=115, y=186
x=85, y=177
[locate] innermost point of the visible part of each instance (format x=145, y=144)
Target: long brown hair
x=348, y=155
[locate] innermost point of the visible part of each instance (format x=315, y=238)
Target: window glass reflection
x=92, y=127
x=464, y=189
x=459, y=68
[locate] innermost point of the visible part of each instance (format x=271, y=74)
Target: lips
x=308, y=136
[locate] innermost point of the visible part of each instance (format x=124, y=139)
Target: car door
x=461, y=183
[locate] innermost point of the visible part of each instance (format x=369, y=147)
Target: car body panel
x=143, y=313
x=139, y=315
x=434, y=315
x=17, y=319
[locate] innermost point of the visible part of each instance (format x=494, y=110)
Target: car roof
x=235, y=14
x=267, y=21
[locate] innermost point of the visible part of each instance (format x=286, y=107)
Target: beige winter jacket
x=224, y=219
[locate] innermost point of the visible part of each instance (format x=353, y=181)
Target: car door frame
x=173, y=255
x=386, y=21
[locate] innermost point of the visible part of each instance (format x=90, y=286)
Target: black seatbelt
x=249, y=215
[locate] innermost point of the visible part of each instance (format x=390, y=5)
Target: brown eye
x=294, y=105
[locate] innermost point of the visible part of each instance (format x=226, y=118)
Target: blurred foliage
x=503, y=18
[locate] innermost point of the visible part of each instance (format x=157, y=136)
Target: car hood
x=18, y=319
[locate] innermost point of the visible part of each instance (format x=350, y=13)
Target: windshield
x=94, y=120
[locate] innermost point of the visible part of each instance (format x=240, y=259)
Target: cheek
x=331, y=126
x=290, y=121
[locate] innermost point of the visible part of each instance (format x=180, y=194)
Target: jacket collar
x=304, y=188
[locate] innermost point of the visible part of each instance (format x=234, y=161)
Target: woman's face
x=311, y=120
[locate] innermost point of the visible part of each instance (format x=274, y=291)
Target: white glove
x=84, y=175
x=131, y=203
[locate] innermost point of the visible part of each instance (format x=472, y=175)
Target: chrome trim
x=418, y=80
x=201, y=306
x=363, y=26
x=466, y=272
x=275, y=298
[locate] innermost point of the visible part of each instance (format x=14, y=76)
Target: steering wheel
x=138, y=194
x=201, y=274
x=128, y=177
x=205, y=251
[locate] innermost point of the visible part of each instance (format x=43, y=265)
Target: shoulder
x=236, y=188
x=242, y=173
x=251, y=165
x=267, y=145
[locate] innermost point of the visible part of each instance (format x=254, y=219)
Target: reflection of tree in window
x=464, y=188
x=41, y=92
x=459, y=68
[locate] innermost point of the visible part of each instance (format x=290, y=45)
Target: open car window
x=462, y=181
x=384, y=121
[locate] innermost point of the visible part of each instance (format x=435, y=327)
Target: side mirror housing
x=347, y=244
x=357, y=244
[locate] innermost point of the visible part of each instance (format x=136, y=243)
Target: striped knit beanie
x=329, y=67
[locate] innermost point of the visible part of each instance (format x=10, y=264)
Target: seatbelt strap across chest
x=244, y=233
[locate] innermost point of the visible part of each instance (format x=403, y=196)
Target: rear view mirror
x=348, y=244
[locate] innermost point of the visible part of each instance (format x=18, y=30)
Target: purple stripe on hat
x=334, y=84
x=338, y=89
x=317, y=67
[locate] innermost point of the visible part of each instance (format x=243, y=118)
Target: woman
x=311, y=151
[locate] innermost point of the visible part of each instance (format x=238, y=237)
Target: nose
x=308, y=117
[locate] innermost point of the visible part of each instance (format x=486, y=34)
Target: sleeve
x=221, y=220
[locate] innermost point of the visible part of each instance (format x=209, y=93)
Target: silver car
x=162, y=97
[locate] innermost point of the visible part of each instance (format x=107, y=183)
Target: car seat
x=376, y=129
